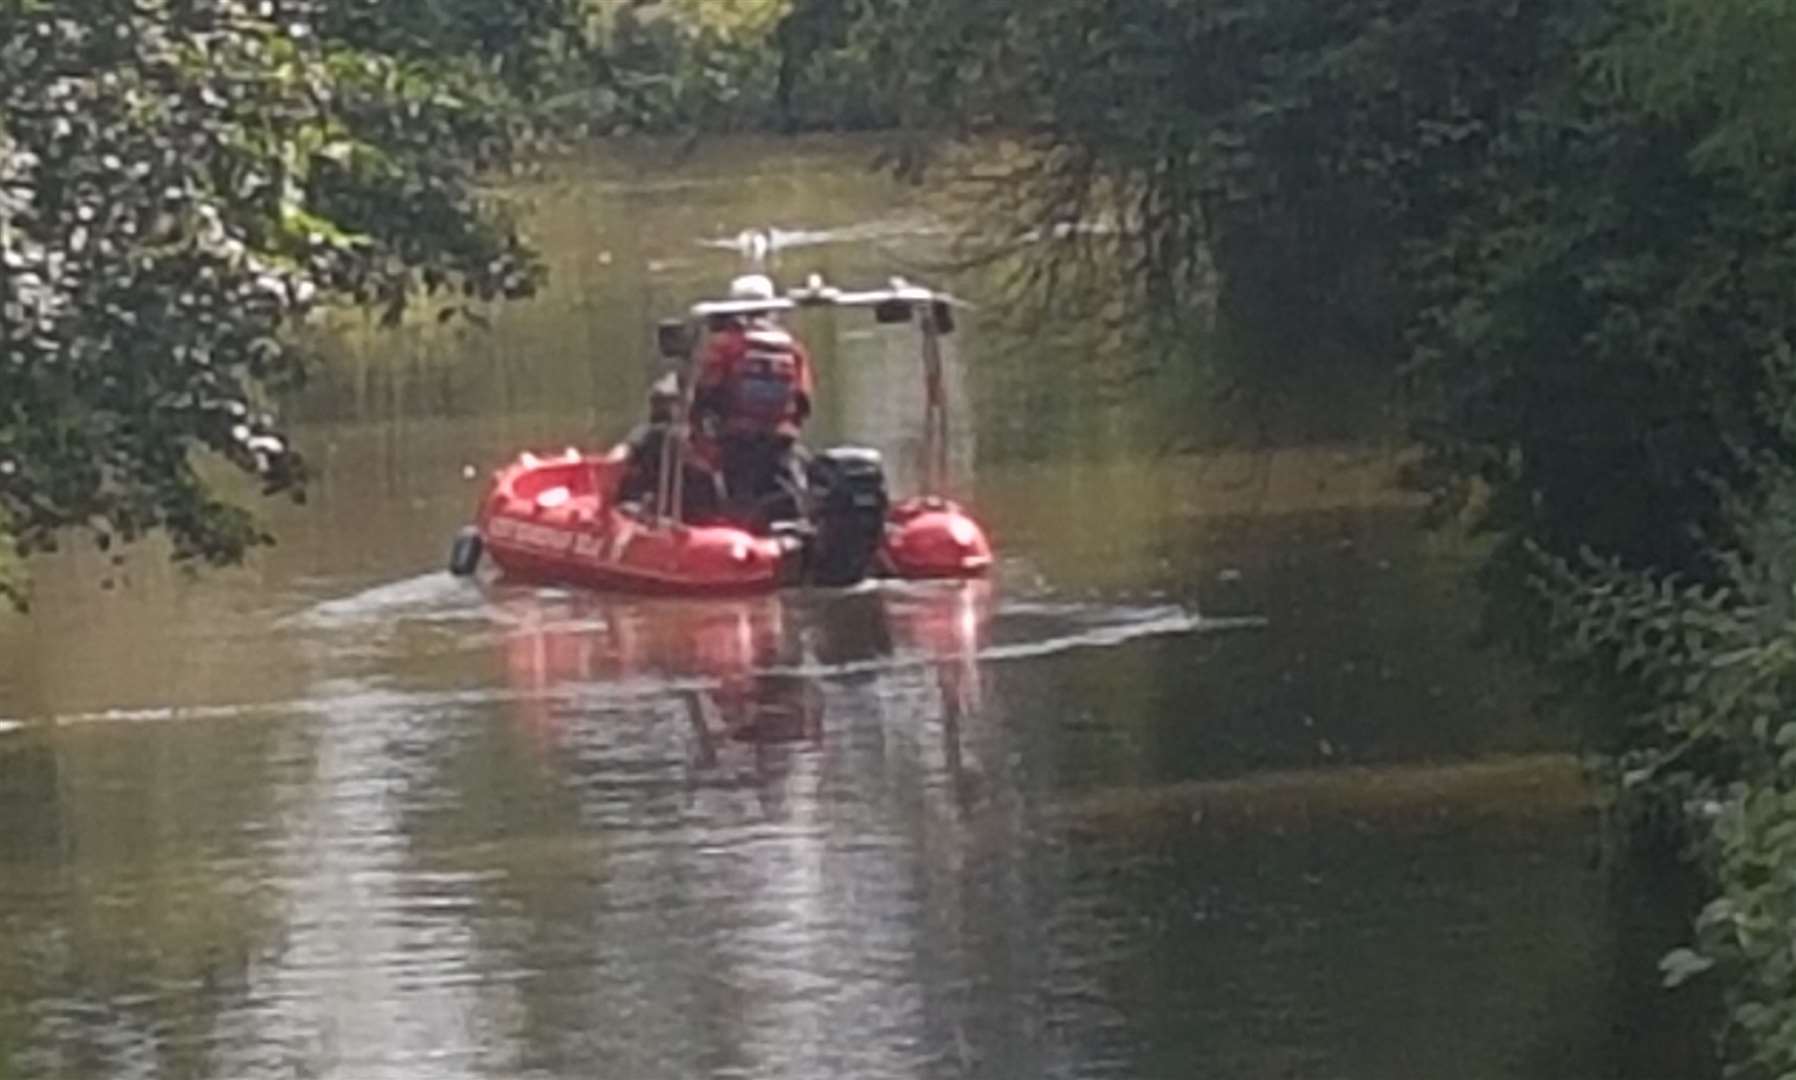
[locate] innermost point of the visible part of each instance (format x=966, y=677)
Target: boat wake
x=958, y=617
x=412, y=598
x=757, y=245
x=585, y=650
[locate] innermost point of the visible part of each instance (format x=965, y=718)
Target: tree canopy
x=179, y=181
x=1563, y=227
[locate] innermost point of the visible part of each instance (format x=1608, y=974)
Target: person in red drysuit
x=752, y=397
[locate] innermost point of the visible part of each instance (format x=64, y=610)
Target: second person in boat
x=754, y=393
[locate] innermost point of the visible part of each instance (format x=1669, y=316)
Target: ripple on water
x=1016, y=627
x=420, y=597
x=1014, y=630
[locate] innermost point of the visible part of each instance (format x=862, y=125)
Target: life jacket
x=764, y=381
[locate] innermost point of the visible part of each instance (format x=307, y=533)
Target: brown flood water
x=1207, y=781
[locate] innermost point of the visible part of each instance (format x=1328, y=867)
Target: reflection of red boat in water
x=585, y=640
x=563, y=518
x=750, y=672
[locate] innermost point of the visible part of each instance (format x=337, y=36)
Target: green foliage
x=827, y=75
x=1615, y=308
x=180, y=180
x=723, y=65
x=1505, y=205
x=1707, y=741
x=1571, y=227
x=531, y=47
x=739, y=19
x=1296, y=144
x=1726, y=72
x=690, y=67
x=1623, y=312
x=12, y=570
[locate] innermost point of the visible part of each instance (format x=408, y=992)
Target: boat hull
x=934, y=538
x=556, y=520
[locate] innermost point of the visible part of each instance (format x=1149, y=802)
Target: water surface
x=1207, y=781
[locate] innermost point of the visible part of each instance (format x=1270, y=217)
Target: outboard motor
x=848, y=484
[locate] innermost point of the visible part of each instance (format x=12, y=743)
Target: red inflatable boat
x=560, y=519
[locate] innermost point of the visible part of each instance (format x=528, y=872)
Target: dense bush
x=697, y=67
x=786, y=65
x=1698, y=682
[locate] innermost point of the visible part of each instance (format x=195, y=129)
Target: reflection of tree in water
x=136, y=897
x=30, y=803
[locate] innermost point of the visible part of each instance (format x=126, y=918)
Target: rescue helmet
x=752, y=287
